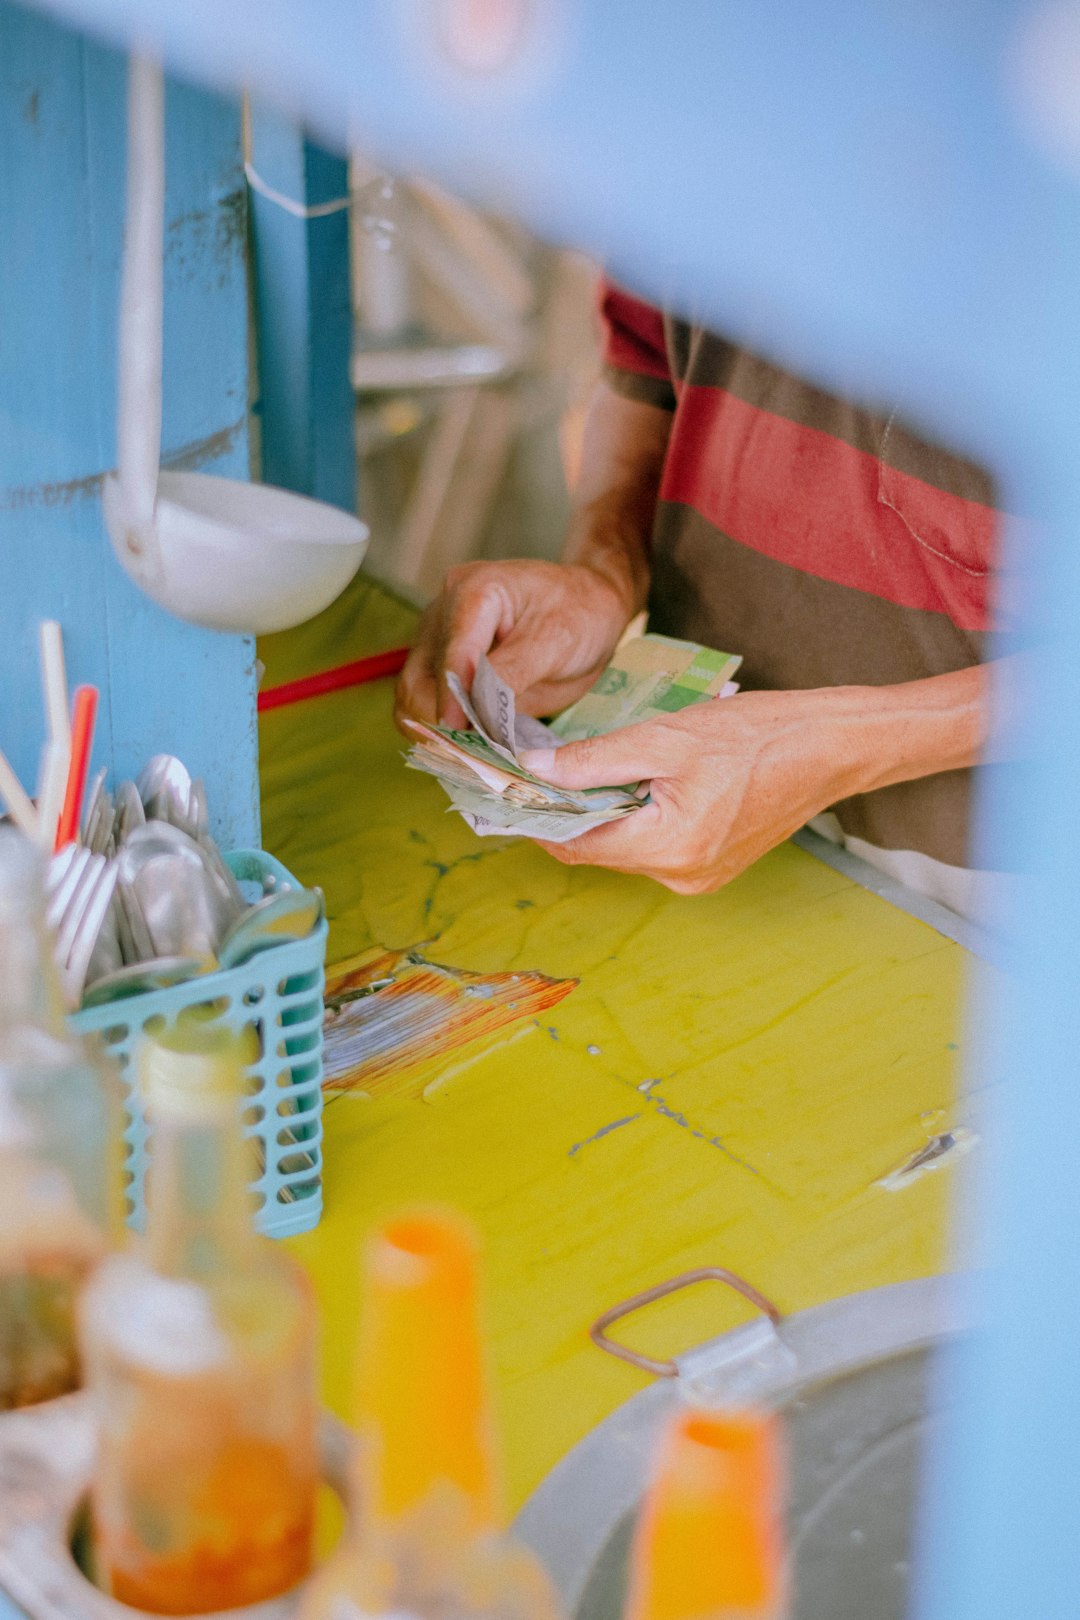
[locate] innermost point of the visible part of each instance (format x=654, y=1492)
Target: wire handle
x=627, y=1307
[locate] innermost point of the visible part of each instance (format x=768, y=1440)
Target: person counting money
x=848, y=560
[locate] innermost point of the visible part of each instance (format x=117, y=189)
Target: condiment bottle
x=425, y=1536
x=200, y=1352
x=60, y=1143
x=709, y=1543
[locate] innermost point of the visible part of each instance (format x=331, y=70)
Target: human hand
x=549, y=629
x=729, y=780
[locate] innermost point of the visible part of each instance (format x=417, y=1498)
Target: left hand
x=730, y=779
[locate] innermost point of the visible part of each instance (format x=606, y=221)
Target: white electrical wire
x=336, y=205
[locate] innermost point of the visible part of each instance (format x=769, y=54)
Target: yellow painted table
x=726, y=1085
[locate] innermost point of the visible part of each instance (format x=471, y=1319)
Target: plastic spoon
x=215, y=551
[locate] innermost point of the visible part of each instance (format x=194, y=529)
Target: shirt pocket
x=944, y=503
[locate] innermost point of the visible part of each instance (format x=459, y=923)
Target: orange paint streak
x=393, y=1017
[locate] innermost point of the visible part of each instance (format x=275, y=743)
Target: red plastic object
x=334, y=680
x=83, y=714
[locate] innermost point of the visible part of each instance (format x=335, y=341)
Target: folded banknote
x=480, y=767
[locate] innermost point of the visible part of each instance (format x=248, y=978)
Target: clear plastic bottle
x=709, y=1542
x=60, y=1146
x=200, y=1352
x=424, y=1538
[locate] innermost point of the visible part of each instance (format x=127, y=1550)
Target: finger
x=628, y=845
x=416, y=692
x=524, y=662
x=633, y=754
x=474, y=618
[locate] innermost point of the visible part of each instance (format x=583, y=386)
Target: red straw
x=334, y=680
x=83, y=713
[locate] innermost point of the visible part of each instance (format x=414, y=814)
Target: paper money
x=649, y=676
x=553, y=825
x=480, y=768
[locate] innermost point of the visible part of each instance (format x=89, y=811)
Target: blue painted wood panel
x=164, y=685
x=303, y=312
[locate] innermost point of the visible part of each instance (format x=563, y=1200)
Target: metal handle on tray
x=627, y=1307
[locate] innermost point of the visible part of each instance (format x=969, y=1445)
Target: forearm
x=892, y=734
x=614, y=502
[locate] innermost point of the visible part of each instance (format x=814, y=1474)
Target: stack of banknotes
x=480, y=767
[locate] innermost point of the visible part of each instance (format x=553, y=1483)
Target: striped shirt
x=827, y=543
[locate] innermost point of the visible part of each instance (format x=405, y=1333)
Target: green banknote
x=649, y=676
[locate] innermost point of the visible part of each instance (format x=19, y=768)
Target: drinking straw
x=334, y=680
x=83, y=714
x=17, y=800
x=54, y=679
x=52, y=784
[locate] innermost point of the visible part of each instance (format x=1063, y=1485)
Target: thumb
x=632, y=754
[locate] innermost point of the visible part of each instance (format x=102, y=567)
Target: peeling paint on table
x=393, y=1018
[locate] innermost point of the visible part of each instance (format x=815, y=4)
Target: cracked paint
x=605, y=1130
x=665, y=1111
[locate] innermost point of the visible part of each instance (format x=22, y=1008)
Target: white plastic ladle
x=215, y=551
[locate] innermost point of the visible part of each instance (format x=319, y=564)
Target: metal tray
x=854, y=1379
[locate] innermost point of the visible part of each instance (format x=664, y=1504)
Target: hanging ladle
x=216, y=551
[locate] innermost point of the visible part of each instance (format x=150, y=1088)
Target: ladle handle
x=141, y=309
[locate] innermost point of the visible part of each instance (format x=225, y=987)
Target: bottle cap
x=709, y=1542
x=421, y=1401
x=193, y=1068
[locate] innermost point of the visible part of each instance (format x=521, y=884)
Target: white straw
x=14, y=794
x=54, y=678
x=52, y=783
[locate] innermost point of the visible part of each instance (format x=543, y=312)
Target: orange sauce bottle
x=709, y=1544
x=426, y=1535
x=199, y=1348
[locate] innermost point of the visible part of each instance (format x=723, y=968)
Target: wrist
x=613, y=548
x=877, y=735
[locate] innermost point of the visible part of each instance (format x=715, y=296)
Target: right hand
x=549, y=629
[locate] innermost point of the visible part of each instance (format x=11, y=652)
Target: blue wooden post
x=165, y=686
x=303, y=315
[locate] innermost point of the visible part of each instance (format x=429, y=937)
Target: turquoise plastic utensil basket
x=279, y=994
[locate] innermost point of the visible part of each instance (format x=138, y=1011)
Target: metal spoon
x=289, y=914
x=129, y=812
x=137, y=944
x=164, y=784
x=92, y=807
x=136, y=977
x=182, y=902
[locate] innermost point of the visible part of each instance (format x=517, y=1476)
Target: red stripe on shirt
x=633, y=333
x=809, y=500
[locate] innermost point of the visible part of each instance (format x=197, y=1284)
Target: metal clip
x=627, y=1307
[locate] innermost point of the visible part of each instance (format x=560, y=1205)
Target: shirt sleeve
x=634, y=349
